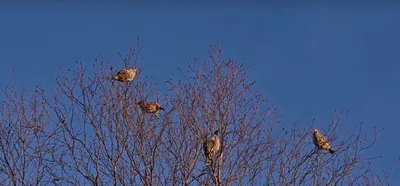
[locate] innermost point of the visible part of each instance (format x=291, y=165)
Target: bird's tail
x=331, y=151
x=208, y=162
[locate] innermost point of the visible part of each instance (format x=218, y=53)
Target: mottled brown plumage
x=321, y=142
x=125, y=75
x=210, y=147
x=150, y=107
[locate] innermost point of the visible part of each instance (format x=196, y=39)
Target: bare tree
x=104, y=138
x=255, y=148
x=25, y=139
x=90, y=130
x=216, y=95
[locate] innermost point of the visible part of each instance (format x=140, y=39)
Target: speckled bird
x=150, y=107
x=125, y=75
x=321, y=142
x=210, y=147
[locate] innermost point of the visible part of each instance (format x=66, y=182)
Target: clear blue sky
x=307, y=59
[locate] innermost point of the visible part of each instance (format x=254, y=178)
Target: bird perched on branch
x=150, y=107
x=321, y=142
x=210, y=147
x=125, y=75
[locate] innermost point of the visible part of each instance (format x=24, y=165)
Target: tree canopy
x=90, y=129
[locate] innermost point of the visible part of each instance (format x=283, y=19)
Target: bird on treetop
x=210, y=147
x=321, y=142
x=125, y=75
x=150, y=107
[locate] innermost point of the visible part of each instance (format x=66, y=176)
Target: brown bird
x=210, y=147
x=321, y=142
x=125, y=75
x=150, y=107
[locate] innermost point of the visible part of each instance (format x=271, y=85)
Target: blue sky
x=308, y=59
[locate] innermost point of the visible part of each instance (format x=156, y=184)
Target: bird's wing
x=205, y=148
x=122, y=72
x=323, y=139
x=315, y=140
x=143, y=106
x=152, y=107
x=210, y=144
x=320, y=140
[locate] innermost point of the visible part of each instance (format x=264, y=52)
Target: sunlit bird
x=150, y=107
x=125, y=75
x=321, y=142
x=210, y=147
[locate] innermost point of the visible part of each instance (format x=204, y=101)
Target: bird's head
x=216, y=132
x=316, y=131
x=140, y=102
